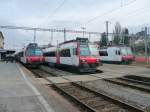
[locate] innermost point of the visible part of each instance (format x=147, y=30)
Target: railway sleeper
x=83, y=96
x=90, y=97
x=94, y=103
x=113, y=109
x=100, y=104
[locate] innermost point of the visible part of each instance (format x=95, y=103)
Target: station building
x=1, y=40
x=4, y=52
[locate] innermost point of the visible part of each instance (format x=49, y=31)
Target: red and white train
x=74, y=53
x=119, y=54
x=31, y=55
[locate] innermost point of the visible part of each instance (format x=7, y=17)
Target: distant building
x=1, y=40
x=1, y=45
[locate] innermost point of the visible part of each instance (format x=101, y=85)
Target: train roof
x=114, y=46
x=78, y=39
x=50, y=49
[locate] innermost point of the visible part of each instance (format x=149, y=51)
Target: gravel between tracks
x=139, y=98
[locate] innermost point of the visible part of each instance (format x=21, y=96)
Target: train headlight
x=97, y=60
x=83, y=60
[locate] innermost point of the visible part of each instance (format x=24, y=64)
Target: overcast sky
x=71, y=14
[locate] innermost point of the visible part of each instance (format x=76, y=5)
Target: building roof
x=1, y=34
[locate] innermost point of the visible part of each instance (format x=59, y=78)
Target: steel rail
x=131, y=85
x=114, y=100
x=117, y=100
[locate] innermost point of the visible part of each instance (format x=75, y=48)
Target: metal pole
x=146, y=55
x=89, y=36
x=34, y=39
x=64, y=34
x=107, y=30
x=51, y=37
x=83, y=28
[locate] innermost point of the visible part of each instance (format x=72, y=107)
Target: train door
x=117, y=54
x=65, y=56
x=113, y=54
x=22, y=56
x=75, y=57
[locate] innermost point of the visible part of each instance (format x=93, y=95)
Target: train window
x=21, y=54
x=84, y=50
x=103, y=53
x=33, y=52
x=65, y=53
x=118, y=52
x=50, y=54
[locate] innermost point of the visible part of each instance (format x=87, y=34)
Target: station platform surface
x=17, y=94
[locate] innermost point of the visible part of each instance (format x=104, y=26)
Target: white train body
x=50, y=55
x=116, y=54
x=72, y=53
x=68, y=54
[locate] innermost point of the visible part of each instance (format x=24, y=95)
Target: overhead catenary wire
x=55, y=11
x=54, y=30
x=106, y=13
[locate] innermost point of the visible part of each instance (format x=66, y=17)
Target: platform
x=17, y=94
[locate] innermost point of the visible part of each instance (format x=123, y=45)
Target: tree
x=104, y=40
x=117, y=33
x=125, y=37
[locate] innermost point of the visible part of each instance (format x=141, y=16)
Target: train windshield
x=93, y=49
x=84, y=50
x=126, y=51
x=34, y=52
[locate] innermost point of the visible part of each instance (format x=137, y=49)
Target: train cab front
x=127, y=55
x=88, y=63
x=128, y=58
x=34, y=56
x=35, y=60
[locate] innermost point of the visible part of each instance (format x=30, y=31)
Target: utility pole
x=107, y=22
x=64, y=34
x=145, y=35
x=34, y=39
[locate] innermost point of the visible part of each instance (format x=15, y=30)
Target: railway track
x=93, y=101
x=40, y=73
x=88, y=99
x=135, y=82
